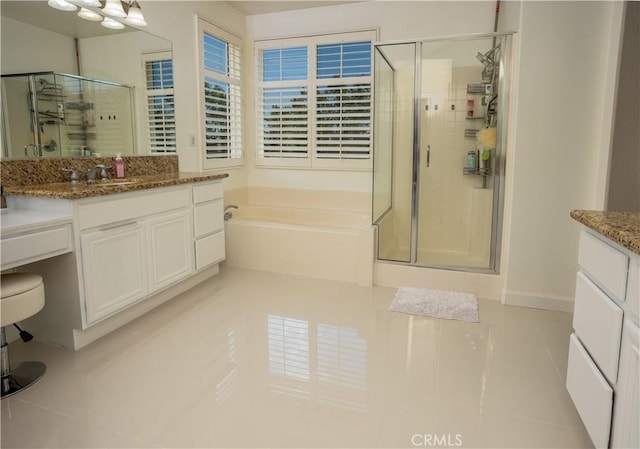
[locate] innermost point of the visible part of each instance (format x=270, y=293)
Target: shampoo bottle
x=118, y=166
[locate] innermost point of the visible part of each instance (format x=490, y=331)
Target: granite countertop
x=621, y=227
x=82, y=189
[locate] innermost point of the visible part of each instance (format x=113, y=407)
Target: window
x=160, y=106
x=314, y=101
x=221, y=96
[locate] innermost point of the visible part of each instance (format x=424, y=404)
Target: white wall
x=562, y=130
x=26, y=48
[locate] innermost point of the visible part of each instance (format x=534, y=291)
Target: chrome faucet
x=92, y=173
x=73, y=177
x=228, y=215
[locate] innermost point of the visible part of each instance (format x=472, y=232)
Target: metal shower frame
x=504, y=80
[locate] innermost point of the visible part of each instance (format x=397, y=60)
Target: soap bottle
x=118, y=166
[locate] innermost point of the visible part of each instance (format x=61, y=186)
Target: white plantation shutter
x=343, y=104
x=343, y=121
x=283, y=101
x=344, y=60
x=314, y=101
x=284, y=122
x=221, y=77
x=160, y=107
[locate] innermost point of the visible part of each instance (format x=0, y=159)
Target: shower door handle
x=428, y=155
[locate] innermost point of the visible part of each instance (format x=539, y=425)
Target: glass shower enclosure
x=49, y=114
x=439, y=140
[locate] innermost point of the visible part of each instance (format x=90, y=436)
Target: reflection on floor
x=254, y=359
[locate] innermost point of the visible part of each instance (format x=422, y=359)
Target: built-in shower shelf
x=476, y=171
x=478, y=89
x=481, y=117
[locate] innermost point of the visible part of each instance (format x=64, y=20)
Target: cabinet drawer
x=207, y=192
x=605, y=265
x=27, y=248
x=598, y=323
x=208, y=218
x=209, y=250
x=590, y=392
x=127, y=206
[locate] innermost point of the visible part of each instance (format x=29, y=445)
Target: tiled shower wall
x=455, y=209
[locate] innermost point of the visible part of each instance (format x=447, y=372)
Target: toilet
x=22, y=296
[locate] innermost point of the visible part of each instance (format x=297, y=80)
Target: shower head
x=486, y=57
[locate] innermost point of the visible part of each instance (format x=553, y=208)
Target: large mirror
x=117, y=99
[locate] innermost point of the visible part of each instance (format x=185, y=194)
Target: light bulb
x=135, y=17
x=92, y=3
x=62, y=5
x=87, y=14
x=113, y=24
x=114, y=9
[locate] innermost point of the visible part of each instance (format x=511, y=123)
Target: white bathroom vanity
x=108, y=258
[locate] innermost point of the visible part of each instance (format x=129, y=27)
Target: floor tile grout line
x=546, y=347
x=80, y=420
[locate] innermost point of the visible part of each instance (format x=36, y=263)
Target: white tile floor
x=254, y=359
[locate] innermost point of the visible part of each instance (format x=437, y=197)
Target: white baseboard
x=537, y=301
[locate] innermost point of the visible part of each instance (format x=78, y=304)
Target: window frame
x=154, y=57
x=206, y=27
x=312, y=161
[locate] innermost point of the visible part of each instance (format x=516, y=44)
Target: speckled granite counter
x=44, y=177
x=82, y=189
x=21, y=172
x=621, y=227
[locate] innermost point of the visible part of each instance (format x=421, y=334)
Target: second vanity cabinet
x=604, y=359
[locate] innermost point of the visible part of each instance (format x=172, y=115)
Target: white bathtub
x=320, y=243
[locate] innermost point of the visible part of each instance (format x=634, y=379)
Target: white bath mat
x=436, y=303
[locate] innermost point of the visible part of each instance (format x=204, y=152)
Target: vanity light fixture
x=62, y=5
x=113, y=24
x=128, y=11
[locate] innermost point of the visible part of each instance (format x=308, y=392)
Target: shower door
x=447, y=158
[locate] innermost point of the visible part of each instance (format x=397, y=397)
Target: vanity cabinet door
x=625, y=430
x=114, y=264
x=170, y=248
